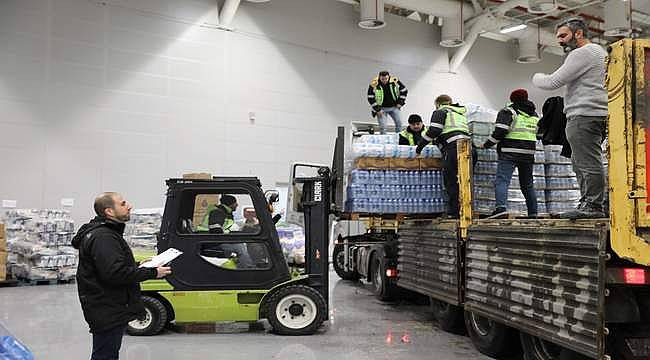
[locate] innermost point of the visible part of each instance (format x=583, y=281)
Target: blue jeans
x=505, y=168
x=394, y=112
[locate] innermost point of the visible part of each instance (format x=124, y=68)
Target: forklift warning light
x=391, y=273
x=634, y=276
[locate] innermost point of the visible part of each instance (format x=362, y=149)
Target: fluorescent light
x=511, y=28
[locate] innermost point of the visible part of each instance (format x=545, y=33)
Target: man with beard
x=585, y=106
x=108, y=276
x=515, y=132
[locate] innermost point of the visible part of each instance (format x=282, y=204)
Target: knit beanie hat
x=519, y=96
x=414, y=118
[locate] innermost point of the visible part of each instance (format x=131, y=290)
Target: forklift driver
x=220, y=219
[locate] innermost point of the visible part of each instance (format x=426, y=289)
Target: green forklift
x=242, y=275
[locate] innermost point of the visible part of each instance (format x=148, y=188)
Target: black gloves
x=421, y=145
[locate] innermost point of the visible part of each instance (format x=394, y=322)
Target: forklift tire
x=154, y=320
x=537, y=349
x=296, y=310
x=448, y=316
x=380, y=287
x=338, y=259
x=490, y=337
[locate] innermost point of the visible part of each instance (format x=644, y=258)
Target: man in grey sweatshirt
x=585, y=105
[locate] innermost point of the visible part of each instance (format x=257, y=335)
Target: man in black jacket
x=515, y=132
x=108, y=276
x=413, y=133
x=448, y=125
x=387, y=95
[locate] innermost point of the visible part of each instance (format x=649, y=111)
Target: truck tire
x=490, y=337
x=296, y=310
x=338, y=259
x=449, y=317
x=154, y=320
x=535, y=348
x=380, y=286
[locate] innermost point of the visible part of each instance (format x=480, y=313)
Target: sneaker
x=499, y=213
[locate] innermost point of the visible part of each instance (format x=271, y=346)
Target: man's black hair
x=384, y=73
x=574, y=24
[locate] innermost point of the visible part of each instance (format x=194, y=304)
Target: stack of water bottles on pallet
x=390, y=178
x=38, y=241
x=395, y=191
x=562, y=188
x=141, y=231
x=11, y=348
x=481, y=123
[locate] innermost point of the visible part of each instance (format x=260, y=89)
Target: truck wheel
x=296, y=310
x=489, y=337
x=154, y=320
x=380, y=286
x=338, y=258
x=536, y=348
x=449, y=317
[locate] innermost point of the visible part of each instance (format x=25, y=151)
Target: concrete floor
x=48, y=319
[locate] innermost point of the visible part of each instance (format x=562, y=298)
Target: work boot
x=586, y=211
x=499, y=213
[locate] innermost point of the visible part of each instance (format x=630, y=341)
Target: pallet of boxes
x=386, y=178
x=38, y=243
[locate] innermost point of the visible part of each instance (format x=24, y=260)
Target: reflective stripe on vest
x=524, y=126
x=379, y=90
x=409, y=135
x=455, y=120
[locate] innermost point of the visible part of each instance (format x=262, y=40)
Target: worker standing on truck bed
x=413, y=133
x=387, y=95
x=448, y=125
x=515, y=135
x=585, y=106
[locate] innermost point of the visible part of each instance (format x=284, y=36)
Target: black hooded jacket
x=108, y=276
x=505, y=117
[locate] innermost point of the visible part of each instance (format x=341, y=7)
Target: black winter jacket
x=505, y=117
x=552, y=125
x=108, y=276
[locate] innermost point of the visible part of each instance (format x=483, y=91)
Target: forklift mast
x=315, y=202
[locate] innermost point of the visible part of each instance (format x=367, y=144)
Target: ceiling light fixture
x=512, y=28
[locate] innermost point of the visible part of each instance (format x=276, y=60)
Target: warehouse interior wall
x=119, y=95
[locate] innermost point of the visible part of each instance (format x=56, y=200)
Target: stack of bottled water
x=395, y=191
x=386, y=146
x=562, y=188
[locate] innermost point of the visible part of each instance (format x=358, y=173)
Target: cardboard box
x=3, y=238
x=404, y=164
x=201, y=204
x=3, y=265
x=430, y=163
x=372, y=163
x=201, y=176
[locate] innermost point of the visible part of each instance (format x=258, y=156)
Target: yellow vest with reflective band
x=524, y=126
x=409, y=135
x=205, y=222
x=455, y=120
x=379, y=91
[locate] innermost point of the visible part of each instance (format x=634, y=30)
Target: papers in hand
x=162, y=259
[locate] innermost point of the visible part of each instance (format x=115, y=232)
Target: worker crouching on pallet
x=515, y=134
x=448, y=125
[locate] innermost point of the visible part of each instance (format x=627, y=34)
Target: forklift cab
x=232, y=267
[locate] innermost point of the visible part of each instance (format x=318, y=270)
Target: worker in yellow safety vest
x=387, y=95
x=413, y=133
x=219, y=219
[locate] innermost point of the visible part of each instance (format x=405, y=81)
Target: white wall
x=104, y=97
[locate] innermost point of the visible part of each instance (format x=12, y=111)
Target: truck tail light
x=634, y=276
x=391, y=273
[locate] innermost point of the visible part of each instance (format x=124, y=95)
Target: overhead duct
x=541, y=6
x=618, y=18
x=529, y=48
x=451, y=34
x=372, y=14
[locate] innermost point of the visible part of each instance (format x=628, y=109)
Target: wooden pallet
x=8, y=283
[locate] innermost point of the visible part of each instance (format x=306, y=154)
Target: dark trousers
x=450, y=175
x=505, y=168
x=106, y=344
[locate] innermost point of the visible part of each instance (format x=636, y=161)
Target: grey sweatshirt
x=583, y=73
